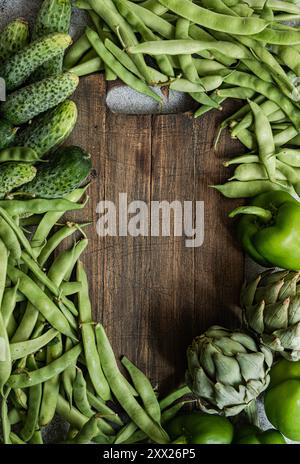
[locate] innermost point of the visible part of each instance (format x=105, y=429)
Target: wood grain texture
x=152, y=293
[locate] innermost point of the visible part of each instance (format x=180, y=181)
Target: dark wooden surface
x=154, y=295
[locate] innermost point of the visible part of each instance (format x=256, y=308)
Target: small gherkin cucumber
x=24, y=104
x=17, y=69
x=13, y=38
x=7, y=133
x=67, y=169
x=49, y=130
x=14, y=175
x=53, y=16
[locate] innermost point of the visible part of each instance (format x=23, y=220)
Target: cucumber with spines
x=13, y=38
x=67, y=169
x=49, y=130
x=17, y=69
x=23, y=105
x=8, y=133
x=14, y=175
x=53, y=16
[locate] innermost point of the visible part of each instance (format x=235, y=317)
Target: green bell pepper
x=282, y=399
x=198, y=428
x=270, y=230
x=251, y=435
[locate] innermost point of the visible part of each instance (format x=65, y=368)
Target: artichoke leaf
x=227, y=370
x=226, y=395
x=202, y=384
x=255, y=317
x=269, y=277
x=251, y=365
x=192, y=358
x=245, y=340
x=294, y=310
x=276, y=315
x=268, y=356
x=269, y=294
x=289, y=288
x=216, y=332
x=249, y=291
x=272, y=342
x=228, y=346
x=206, y=358
x=290, y=337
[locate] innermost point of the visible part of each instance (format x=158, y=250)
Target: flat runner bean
x=22, y=349
x=43, y=374
x=215, y=21
x=34, y=402
x=40, y=301
x=268, y=90
x=88, y=337
x=126, y=76
x=51, y=386
x=121, y=392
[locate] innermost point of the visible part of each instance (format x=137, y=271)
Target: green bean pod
x=38, y=206
x=21, y=154
x=255, y=171
x=47, y=282
x=88, y=431
x=43, y=374
x=35, y=396
x=63, y=265
x=76, y=52
x=40, y=301
x=99, y=405
x=144, y=389
x=9, y=303
x=215, y=21
x=5, y=357
x=88, y=67
x=289, y=156
x=88, y=337
x=21, y=349
x=236, y=189
x=265, y=142
x=56, y=239
x=69, y=375
x=6, y=425
x=80, y=395
x=51, y=387
x=128, y=78
x=121, y=392
x=49, y=220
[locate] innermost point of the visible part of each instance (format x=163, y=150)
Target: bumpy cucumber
x=17, y=69
x=13, y=38
x=66, y=170
x=49, y=130
x=28, y=102
x=53, y=16
x=7, y=133
x=14, y=175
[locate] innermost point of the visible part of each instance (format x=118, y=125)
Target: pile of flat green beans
x=54, y=359
x=212, y=50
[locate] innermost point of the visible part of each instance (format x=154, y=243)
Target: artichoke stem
x=252, y=414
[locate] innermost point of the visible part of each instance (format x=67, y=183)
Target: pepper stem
x=262, y=213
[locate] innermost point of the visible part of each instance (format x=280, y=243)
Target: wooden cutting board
x=154, y=295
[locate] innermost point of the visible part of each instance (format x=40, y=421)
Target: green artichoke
x=227, y=370
x=271, y=304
